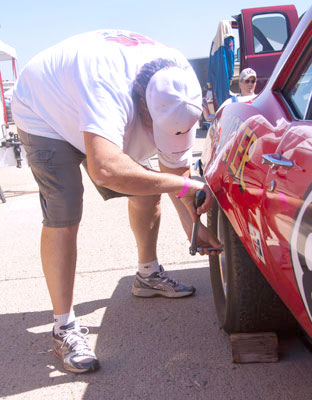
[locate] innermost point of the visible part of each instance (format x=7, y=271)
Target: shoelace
x=168, y=278
x=76, y=339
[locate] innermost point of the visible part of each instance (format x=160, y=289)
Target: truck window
x=270, y=33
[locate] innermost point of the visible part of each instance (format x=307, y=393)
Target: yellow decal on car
x=242, y=155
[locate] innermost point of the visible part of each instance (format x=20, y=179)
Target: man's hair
x=145, y=74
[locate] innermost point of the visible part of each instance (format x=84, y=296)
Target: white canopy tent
x=12, y=152
x=7, y=145
x=7, y=52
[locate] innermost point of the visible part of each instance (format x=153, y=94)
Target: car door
x=287, y=198
x=266, y=31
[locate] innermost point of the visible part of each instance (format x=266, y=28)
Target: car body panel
x=269, y=206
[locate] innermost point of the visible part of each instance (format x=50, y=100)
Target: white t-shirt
x=84, y=84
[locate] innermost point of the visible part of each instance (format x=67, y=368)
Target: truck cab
x=263, y=34
x=260, y=36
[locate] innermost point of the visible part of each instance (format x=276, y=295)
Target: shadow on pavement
x=149, y=349
x=136, y=335
x=27, y=358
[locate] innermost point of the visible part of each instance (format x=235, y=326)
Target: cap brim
x=174, y=144
x=248, y=76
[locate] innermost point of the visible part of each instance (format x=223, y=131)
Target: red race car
x=257, y=160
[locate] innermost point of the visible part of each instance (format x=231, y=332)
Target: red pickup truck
x=261, y=35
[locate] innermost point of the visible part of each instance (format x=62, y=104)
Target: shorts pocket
x=40, y=156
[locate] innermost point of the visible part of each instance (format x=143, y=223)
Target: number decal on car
x=256, y=241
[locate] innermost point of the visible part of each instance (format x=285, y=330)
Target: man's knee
x=145, y=202
x=66, y=230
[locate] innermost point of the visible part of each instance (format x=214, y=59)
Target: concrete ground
x=149, y=349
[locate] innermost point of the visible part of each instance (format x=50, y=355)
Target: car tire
x=244, y=300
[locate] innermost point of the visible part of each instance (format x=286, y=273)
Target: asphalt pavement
x=149, y=349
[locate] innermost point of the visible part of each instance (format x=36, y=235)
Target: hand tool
x=199, y=199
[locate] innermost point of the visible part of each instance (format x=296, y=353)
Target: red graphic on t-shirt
x=134, y=39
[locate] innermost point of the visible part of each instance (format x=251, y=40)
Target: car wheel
x=244, y=300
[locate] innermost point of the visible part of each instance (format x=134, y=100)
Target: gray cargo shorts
x=55, y=165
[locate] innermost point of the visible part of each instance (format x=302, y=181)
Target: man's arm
x=109, y=166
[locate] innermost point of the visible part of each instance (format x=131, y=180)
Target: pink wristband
x=187, y=184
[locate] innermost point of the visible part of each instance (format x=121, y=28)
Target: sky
x=33, y=25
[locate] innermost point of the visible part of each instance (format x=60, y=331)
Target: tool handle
x=193, y=248
x=199, y=198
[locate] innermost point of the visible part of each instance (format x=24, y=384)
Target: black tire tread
x=252, y=304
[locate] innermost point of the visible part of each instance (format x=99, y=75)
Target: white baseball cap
x=246, y=73
x=174, y=100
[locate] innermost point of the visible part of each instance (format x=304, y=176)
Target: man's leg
x=55, y=165
x=58, y=255
x=144, y=217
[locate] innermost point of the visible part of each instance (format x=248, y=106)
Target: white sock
x=146, y=269
x=62, y=320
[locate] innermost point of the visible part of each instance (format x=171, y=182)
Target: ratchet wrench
x=199, y=199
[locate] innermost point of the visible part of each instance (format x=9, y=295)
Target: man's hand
x=188, y=201
x=207, y=239
x=188, y=215
x=207, y=204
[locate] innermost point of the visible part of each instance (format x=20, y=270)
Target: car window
x=270, y=33
x=299, y=92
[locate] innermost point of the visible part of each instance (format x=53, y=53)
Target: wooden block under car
x=254, y=347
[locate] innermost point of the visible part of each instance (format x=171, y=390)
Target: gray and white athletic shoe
x=160, y=284
x=71, y=347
